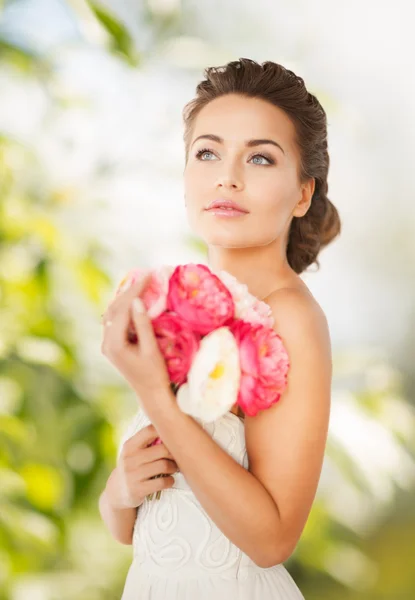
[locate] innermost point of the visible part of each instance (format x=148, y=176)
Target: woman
x=237, y=492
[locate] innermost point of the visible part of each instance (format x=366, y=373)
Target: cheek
x=271, y=196
x=271, y=213
x=270, y=202
x=193, y=186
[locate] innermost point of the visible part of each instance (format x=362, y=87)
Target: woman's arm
x=286, y=443
x=262, y=510
x=120, y=522
x=234, y=499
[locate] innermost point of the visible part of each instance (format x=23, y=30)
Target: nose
x=229, y=181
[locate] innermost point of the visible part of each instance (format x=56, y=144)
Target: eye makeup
x=266, y=156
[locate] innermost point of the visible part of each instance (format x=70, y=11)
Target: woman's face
x=261, y=178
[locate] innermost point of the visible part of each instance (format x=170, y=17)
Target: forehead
x=237, y=118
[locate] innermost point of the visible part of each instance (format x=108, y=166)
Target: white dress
x=178, y=551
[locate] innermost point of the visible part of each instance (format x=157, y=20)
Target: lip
x=224, y=205
x=226, y=212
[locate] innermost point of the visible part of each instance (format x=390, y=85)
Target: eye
x=270, y=160
x=203, y=151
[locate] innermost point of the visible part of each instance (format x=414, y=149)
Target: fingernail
x=138, y=305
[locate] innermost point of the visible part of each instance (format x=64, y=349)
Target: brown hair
x=279, y=86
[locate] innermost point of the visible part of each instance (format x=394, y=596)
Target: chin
x=228, y=241
x=222, y=234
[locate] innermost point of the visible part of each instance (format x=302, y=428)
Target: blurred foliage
x=356, y=543
x=120, y=39
x=57, y=443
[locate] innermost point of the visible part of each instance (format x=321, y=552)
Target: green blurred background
x=91, y=162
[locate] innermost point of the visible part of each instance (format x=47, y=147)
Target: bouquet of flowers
x=217, y=339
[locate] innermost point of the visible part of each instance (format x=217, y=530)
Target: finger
x=126, y=297
x=143, y=326
x=155, y=468
x=153, y=454
x=112, y=305
x=136, y=288
x=117, y=328
x=144, y=437
x=121, y=327
x=130, y=290
x=151, y=486
x=131, y=277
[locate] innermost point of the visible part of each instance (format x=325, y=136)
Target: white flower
x=247, y=307
x=213, y=379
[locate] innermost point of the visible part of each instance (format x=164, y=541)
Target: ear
x=307, y=191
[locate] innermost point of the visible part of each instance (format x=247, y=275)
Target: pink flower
x=132, y=276
x=154, y=294
x=264, y=366
x=200, y=298
x=178, y=344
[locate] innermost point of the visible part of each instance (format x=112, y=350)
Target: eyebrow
x=248, y=143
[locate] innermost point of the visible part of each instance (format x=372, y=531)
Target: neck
x=260, y=269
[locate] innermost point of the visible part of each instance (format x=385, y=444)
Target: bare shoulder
x=298, y=293
x=297, y=313
x=302, y=324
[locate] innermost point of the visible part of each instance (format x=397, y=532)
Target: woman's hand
x=139, y=467
x=141, y=363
